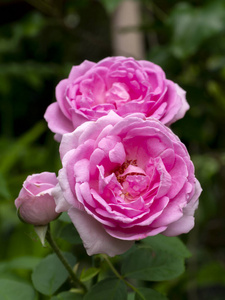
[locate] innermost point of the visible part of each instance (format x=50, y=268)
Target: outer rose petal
x=38, y=212
x=183, y=108
x=60, y=201
x=57, y=122
x=88, y=130
x=94, y=236
x=80, y=70
x=186, y=222
x=66, y=189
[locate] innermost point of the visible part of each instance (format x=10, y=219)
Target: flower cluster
x=125, y=175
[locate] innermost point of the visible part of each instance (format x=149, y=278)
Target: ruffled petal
x=186, y=222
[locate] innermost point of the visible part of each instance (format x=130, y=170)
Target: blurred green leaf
x=110, y=289
x=30, y=71
x=11, y=290
x=147, y=294
x=65, y=218
x=211, y=273
x=191, y=26
x=9, y=158
x=70, y=234
x=88, y=274
x=206, y=166
x=32, y=24
x=50, y=273
x=28, y=26
x=67, y=296
x=4, y=84
x=3, y=267
x=25, y=262
x=4, y=191
x=130, y=296
x=217, y=92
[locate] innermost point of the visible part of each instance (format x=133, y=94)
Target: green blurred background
x=39, y=43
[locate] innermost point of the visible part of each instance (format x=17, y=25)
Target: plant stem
x=120, y=276
x=57, y=251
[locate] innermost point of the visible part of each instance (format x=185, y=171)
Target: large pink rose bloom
x=125, y=179
x=121, y=84
x=35, y=203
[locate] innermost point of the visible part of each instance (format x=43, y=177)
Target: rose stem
x=120, y=276
x=57, y=251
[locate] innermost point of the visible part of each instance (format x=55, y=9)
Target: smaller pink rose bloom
x=35, y=203
x=124, y=179
x=121, y=84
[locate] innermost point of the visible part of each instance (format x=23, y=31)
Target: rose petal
x=60, y=201
x=80, y=70
x=186, y=222
x=117, y=154
x=57, y=122
x=94, y=237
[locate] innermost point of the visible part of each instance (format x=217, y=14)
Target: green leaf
x=70, y=234
x=130, y=296
x=12, y=289
x=64, y=217
x=169, y=244
x=211, y=274
x=67, y=296
x=147, y=294
x=110, y=289
x=24, y=262
x=50, y=273
x=88, y=274
x=3, y=267
x=191, y=26
x=4, y=192
x=10, y=157
x=146, y=264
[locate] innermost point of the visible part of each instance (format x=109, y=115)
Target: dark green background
x=38, y=46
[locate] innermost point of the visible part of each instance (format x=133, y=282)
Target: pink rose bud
x=35, y=203
x=121, y=84
x=125, y=179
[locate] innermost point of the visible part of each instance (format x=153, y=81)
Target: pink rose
x=121, y=84
x=124, y=179
x=35, y=203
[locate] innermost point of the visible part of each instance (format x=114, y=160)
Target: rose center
x=134, y=186
x=133, y=180
x=117, y=94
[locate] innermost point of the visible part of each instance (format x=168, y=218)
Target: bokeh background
x=40, y=40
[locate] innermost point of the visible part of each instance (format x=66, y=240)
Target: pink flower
x=121, y=84
x=35, y=204
x=124, y=179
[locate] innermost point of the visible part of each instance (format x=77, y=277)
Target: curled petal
x=186, y=222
